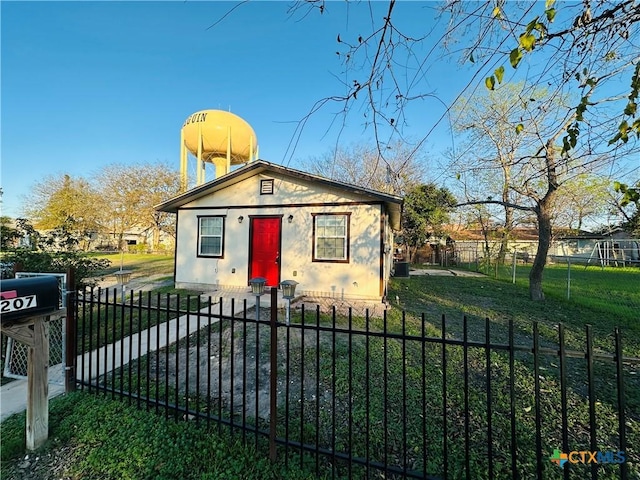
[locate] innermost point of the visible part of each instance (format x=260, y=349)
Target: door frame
x=250, y=249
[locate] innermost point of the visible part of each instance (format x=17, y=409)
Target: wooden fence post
x=38, y=385
x=34, y=332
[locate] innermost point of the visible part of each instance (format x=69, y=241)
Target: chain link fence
x=16, y=353
x=479, y=255
x=580, y=269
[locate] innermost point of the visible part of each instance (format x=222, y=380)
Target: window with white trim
x=210, y=236
x=331, y=237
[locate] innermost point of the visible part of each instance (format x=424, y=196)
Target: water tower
x=216, y=137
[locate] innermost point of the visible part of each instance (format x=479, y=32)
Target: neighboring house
x=469, y=243
x=615, y=248
x=134, y=239
x=265, y=220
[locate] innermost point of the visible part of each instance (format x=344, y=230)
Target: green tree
x=426, y=209
x=120, y=199
x=8, y=234
x=130, y=193
x=568, y=47
x=580, y=51
x=590, y=44
x=587, y=53
x=630, y=199
x=69, y=204
x=486, y=165
x=581, y=199
x=630, y=194
x=55, y=251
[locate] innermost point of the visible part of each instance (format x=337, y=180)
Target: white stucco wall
x=360, y=278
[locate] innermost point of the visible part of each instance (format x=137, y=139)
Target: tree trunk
x=543, y=214
x=543, y=211
x=508, y=219
x=408, y=254
x=504, y=244
x=155, y=243
x=485, y=248
x=411, y=252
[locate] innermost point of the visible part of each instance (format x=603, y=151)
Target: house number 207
x=18, y=303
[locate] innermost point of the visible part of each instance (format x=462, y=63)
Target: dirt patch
x=38, y=466
x=358, y=307
x=232, y=366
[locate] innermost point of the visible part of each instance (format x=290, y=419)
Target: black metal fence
x=352, y=396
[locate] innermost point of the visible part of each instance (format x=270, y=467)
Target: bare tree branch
x=497, y=202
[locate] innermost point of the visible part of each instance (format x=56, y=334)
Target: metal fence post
x=70, y=333
x=568, y=277
x=273, y=376
x=624, y=473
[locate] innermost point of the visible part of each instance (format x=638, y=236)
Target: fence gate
x=15, y=365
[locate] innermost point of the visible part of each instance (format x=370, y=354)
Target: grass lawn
x=94, y=437
x=386, y=411
x=607, y=296
x=390, y=390
x=101, y=324
x=604, y=298
x=139, y=317
x=142, y=264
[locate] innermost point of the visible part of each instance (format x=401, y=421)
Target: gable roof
x=393, y=203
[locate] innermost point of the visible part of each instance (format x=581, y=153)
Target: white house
x=265, y=220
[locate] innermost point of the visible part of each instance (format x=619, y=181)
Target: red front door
x=264, y=251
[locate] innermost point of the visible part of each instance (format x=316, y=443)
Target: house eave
x=393, y=203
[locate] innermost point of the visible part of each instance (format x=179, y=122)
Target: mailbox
x=26, y=297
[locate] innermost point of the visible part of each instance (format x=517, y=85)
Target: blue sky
x=91, y=83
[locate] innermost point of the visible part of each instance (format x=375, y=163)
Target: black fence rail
x=359, y=397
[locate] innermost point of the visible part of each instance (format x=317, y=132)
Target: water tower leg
x=221, y=166
x=202, y=172
x=183, y=164
x=183, y=172
x=199, y=162
x=228, y=164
